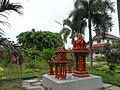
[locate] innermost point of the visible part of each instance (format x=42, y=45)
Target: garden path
x=35, y=84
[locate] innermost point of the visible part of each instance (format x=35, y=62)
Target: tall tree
x=72, y=28
x=118, y=9
x=39, y=40
x=95, y=12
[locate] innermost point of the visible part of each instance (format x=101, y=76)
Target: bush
x=99, y=59
x=112, y=67
x=87, y=59
x=48, y=54
x=107, y=77
x=97, y=66
x=37, y=64
x=104, y=68
x=117, y=69
x=1, y=72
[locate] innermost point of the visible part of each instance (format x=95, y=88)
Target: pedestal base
x=72, y=82
x=81, y=74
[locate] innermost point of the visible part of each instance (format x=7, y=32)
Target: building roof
x=107, y=36
x=99, y=45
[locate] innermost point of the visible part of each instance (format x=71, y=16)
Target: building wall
x=118, y=9
x=102, y=41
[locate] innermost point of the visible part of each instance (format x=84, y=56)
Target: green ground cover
x=11, y=75
x=108, y=77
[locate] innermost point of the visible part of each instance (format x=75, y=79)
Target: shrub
x=37, y=64
x=97, y=66
x=48, y=54
x=117, y=69
x=112, y=67
x=107, y=77
x=87, y=59
x=104, y=68
x=99, y=58
x=1, y=72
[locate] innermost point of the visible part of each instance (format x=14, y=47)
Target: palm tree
x=72, y=28
x=6, y=6
x=118, y=9
x=96, y=12
x=65, y=31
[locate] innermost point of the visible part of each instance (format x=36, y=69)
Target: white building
x=98, y=42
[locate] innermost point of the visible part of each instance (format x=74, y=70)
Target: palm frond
x=65, y=32
x=5, y=23
x=4, y=16
x=7, y=6
x=67, y=22
x=81, y=4
x=2, y=32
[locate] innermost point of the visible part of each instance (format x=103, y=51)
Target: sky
x=41, y=15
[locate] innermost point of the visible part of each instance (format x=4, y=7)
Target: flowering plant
x=13, y=59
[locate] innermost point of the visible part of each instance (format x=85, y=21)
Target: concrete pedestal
x=72, y=83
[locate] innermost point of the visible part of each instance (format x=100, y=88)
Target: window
x=108, y=41
x=96, y=52
x=98, y=41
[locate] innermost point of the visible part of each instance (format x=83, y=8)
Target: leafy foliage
x=39, y=39
x=107, y=77
x=7, y=6
x=95, y=13
x=12, y=49
x=72, y=28
x=99, y=59
x=112, y=54
x=48, y=54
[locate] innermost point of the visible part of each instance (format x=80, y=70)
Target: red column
x=69, y=67
x=56, y=70
x=60, y=72
x=84, y=63
x=77, y=61
x=80, y=63
x=65, y=72
x=51, y=72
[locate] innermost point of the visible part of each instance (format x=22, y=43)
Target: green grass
x=11, y=85
x=33, y=73
x=13, y=80
x=12, y=75
x=108, y=77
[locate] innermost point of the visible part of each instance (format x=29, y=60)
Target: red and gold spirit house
x=61, y=64
x=80, y=51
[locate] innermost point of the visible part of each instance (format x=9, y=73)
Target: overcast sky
x=41, y=15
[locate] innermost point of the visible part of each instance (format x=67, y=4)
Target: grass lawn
x=13, y=80
x=13, y=76
x=108, y=77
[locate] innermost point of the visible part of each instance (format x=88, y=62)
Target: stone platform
x=72, y=83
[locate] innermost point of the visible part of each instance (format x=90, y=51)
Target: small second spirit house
x=60, y=64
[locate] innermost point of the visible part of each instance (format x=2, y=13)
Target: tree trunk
x=90, y=42
x=118, y=9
